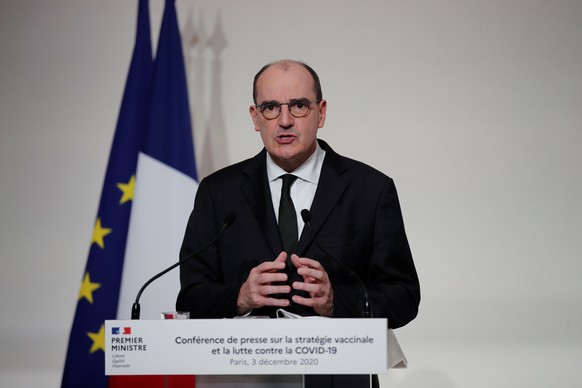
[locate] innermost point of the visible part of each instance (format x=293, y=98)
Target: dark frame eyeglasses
x=297, y=108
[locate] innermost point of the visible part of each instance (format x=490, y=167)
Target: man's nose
x=285, y=117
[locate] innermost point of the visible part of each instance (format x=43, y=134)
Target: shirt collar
x=309, y=171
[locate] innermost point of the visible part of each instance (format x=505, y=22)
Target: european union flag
x=99, y=294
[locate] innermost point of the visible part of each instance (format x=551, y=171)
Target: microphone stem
x=135, y=310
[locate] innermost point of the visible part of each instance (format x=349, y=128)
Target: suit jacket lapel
x=332, y=183
x=258, y=195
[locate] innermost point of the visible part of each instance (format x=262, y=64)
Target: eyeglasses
x=298, y=108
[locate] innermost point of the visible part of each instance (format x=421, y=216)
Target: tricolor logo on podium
x=120, y=330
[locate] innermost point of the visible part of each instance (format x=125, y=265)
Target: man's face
x=289, y=140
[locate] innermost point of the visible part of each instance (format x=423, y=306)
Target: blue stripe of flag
x=169, y=131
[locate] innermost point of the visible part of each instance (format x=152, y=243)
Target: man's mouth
x=285, y=138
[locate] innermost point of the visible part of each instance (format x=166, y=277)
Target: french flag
x=166, y=183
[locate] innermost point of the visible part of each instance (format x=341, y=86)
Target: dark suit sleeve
x=394, y=285
x=380, y=254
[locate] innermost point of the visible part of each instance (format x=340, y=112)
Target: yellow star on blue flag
x=99, y=232
x=87, y=288
x=127, y=189
x=98, y=340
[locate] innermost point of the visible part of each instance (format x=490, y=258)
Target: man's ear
x=254, y=113
x=322, y=113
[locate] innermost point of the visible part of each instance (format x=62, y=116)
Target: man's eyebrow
x=269, y=102
x=301, y=99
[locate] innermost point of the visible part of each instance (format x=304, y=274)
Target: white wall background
x=474, y=107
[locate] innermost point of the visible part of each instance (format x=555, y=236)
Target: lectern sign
x=246, y=346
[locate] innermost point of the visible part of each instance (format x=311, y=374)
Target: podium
x=280, y=350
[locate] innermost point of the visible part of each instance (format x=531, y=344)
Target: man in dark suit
x=355, y=217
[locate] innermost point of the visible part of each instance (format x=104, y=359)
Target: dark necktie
x=288, y=217
x=288, y=231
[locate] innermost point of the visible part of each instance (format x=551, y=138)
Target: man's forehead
x=285, y=79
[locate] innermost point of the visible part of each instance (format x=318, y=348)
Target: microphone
x=135, y=309
x=306, y=216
